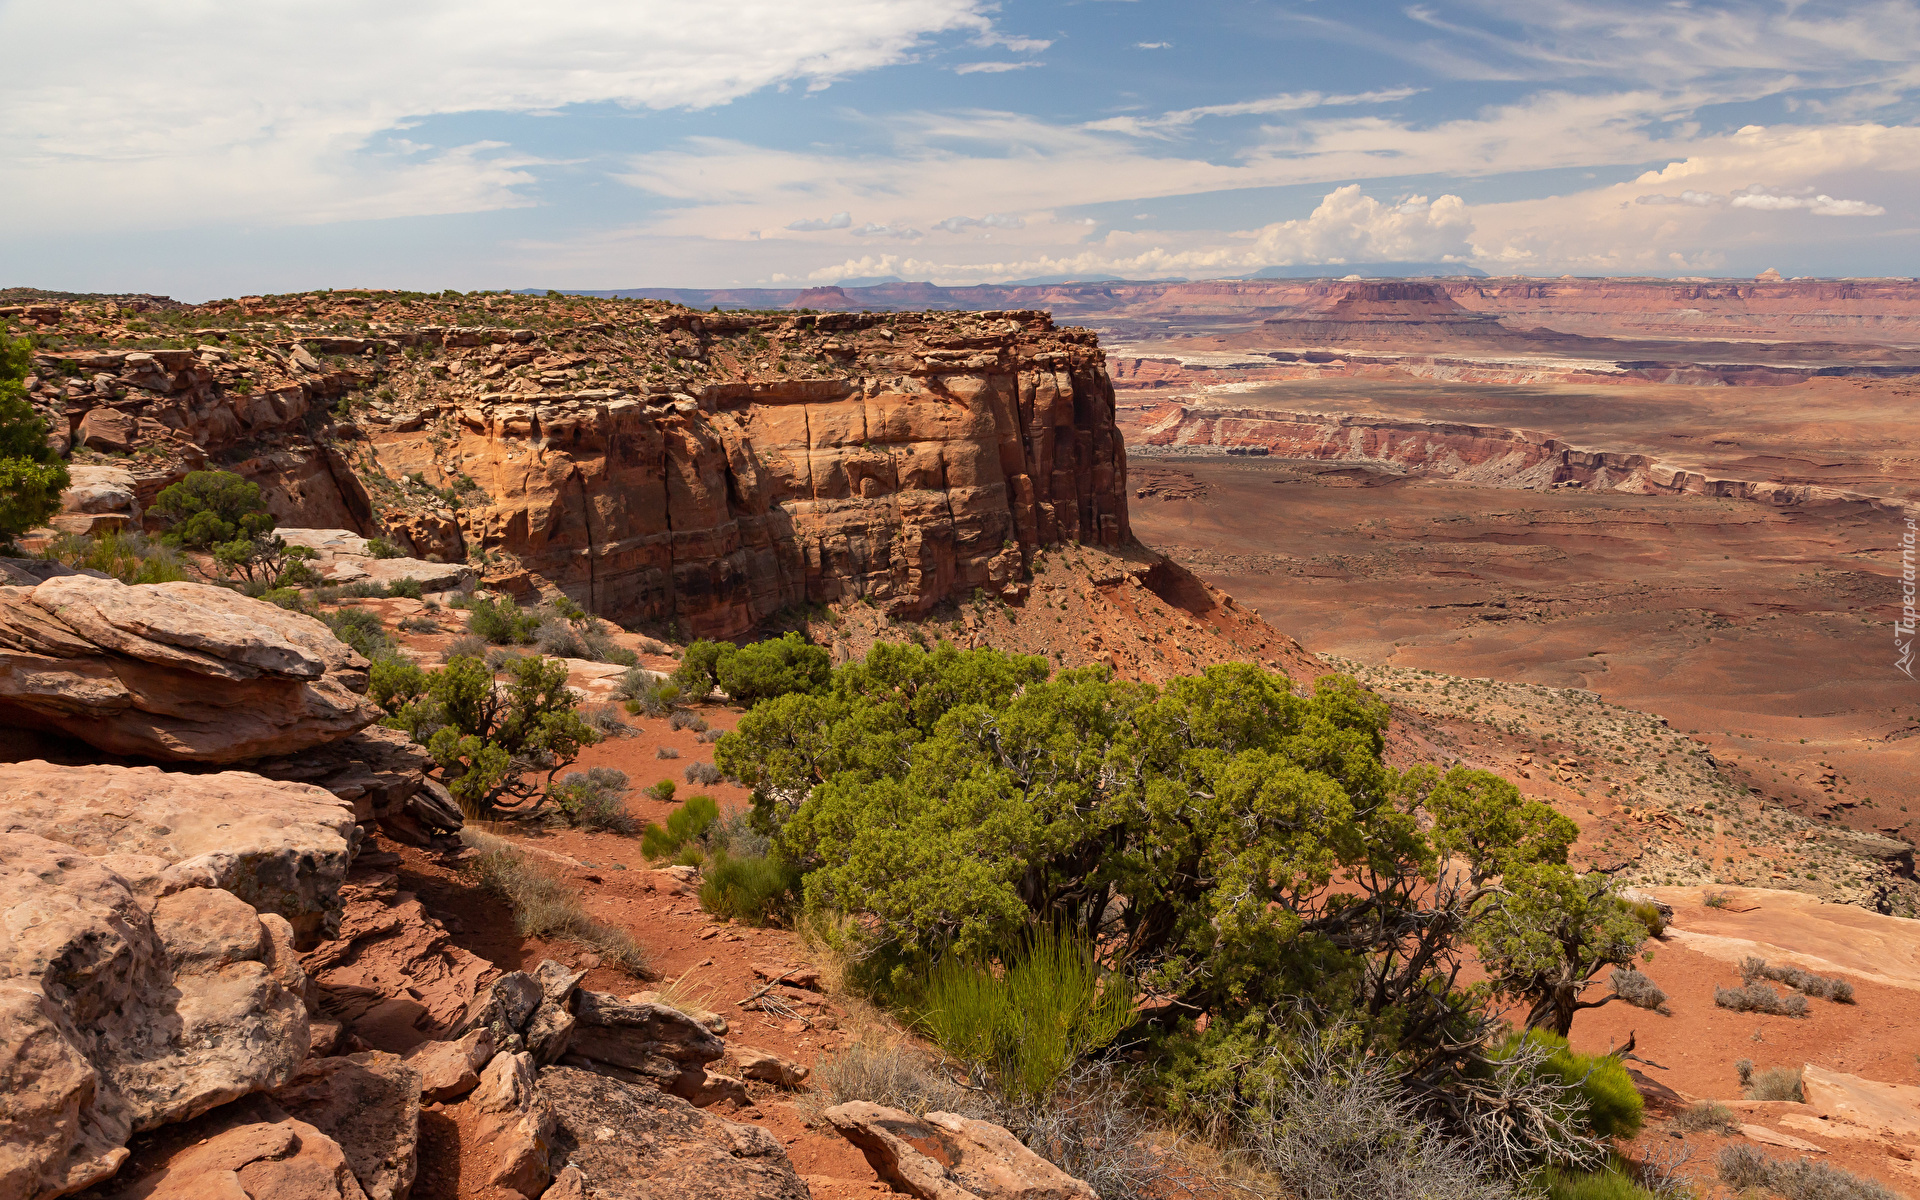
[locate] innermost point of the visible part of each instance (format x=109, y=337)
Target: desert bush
x=895, y=1074
x=406, y=589
x=379, y=547
x=127, y=556
x=212, y=508
x=1760, y=997
x=1716, y=899
x=418, y=625
x=467, y=646
x=708, y=737
x=290, y=599
x=1638, y=990
x=1707, y=1116
x=497, y=745
x=1742, y=1167
x=646, y=694
x=594, y=799
x=605, y=720
x=1649, y=914
x=703, y=774
x=545, y=906
x=1338, y=1127
x=1092, y=1129
x=686, y=824
x=680, y=719
x=1774, y=1083
x=1822, y=987
x=747, y=888
x=1019, y=1022
x=557, y=638
x=363, y=631
x=662, y=791
x=1610, y=1106
x=735, y=833
x=499, y=659
x=666, y=752
x=501, y=622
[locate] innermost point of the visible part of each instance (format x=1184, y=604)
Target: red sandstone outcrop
x=281, y=847
x=174, y=671
x=964, y=1159
x=126, y=1004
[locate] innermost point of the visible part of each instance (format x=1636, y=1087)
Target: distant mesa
x=868, y=281
x=1379, y=270
x=1398, y=311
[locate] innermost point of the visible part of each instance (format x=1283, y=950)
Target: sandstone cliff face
x=654, y=464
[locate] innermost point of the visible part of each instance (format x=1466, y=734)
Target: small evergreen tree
x=31, y=474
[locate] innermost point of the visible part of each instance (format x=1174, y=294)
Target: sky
x=208, y=148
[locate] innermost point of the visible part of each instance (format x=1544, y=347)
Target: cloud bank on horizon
x=222, y=148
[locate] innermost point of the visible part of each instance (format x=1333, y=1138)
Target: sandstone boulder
x=281, y=847
x=246, y=1151
x=174, y=671
x=125, y=1005
x=651, y=1040
x=369, y=1103
x=630, y=1140
x=768, y=1067
x=514, y=1121
x=950, y=1157
x=449, y=1070
x=382, y=773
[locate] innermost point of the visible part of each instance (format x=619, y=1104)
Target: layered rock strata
x=174, y=671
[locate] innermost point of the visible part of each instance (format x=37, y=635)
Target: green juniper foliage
x=31, y=474
x=1243, y=851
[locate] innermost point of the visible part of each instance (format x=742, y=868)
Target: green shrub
x=31, y=474
x=210, y=508
x=776, y=667
x=594, y=799
x=127, y=556
x=697, y=674
x=1019, y=1024
x=501, y=622
x=751, y=889
x=287, y=598
x=380, y=547
x=1610, y=1184
x=688, y=823
x=407, y=589
x=362, y=630
x=1612, y=1106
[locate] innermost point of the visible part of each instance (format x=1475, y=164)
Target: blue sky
x=214, y=148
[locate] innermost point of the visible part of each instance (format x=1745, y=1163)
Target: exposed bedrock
x=907, y=488
x=174, y=671
x=1490, y=455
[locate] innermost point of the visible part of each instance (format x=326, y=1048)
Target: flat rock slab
x=251, y=1149
x=945, y=1156
x=281, y=847
x=175, y=671
x=370, y=1104
x=631, y=1141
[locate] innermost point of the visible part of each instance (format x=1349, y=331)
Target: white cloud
x=1286, y=102
x=993, y=68
x=990, y=221
x=1690, y=198
x=222, y=110
x=1352, y=227
x=1823, y=205
x=887, y=231
x=1152, y=45
x=839, y=220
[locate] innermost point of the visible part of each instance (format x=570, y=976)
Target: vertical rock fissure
x=586, y=524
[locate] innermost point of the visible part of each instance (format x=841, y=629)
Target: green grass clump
x=748, y=888
x=1610, y=1184
x=1613, y=1105
x=686, y=826
x=1023, y=1021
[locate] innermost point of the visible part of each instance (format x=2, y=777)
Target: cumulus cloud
x=1822, y=205
x=1690, y=198
x=282, y=113
x=1350, y=226
x=990, y=221
x=839, y=220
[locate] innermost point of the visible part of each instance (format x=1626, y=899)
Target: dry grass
x=1762, y=998
x=1822, y=986
x=1708, y=1116
x=1774, y=1083
x=546, y=906
x=1743, y=1167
